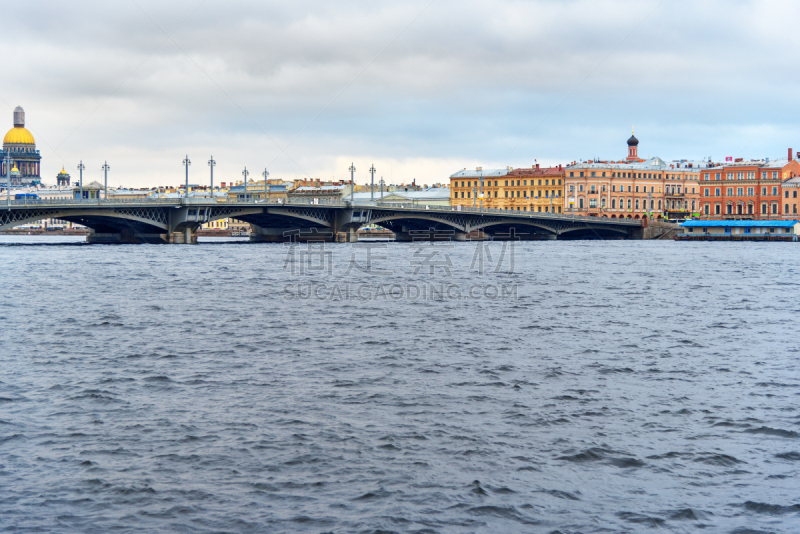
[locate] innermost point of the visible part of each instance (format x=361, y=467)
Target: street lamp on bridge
x=382, y=184
x=245, y=173
x=372, y=182
x=186, y=164
x=8, y=178
x=352, y=170
x=106, y=168
x=265, y=174
x=81, y=167
x=211, y=164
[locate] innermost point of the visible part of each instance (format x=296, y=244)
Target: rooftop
x=478, y=173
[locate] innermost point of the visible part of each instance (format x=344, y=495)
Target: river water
x=603, y=386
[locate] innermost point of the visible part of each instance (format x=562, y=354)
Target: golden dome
x=15, y=169
x=62, y=170
x=18, y=136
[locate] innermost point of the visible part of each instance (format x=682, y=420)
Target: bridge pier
x=124, y=237
x=430, y=235
x=184, y=237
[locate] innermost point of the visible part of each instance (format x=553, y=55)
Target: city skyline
x=420, y=90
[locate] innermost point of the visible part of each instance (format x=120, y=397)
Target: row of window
x=636, y=204
x=741, y=175
x=593, y=189
x=523, y=183
x=649, y=175
x=519, y=194
x=740, y=191
x=794, y=194
x=739, y=209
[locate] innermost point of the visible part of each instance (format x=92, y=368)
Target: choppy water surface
x=629, y=386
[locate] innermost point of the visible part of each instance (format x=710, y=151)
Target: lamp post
x=572, y=205
x=81, y=166
x=245, y=173
x=211, y=164
x=265, y=174
x=372, y=182
x=474, y=196
x=382, y=184
x=352, y=170
x=8, y=179
x=481, y=194
x=105, y=173
x=186, y=164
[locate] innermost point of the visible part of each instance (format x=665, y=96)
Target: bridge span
x=159, y=220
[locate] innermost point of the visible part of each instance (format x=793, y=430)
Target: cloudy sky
x=420, y=88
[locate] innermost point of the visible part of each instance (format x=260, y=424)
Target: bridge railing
x=378, y=204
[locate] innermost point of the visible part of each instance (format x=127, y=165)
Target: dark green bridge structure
x=161, y=220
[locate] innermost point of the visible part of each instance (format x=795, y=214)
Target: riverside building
x=634, y=188
x=536, y=189
x=749, y=190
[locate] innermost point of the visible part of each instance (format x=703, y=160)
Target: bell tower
x=633, y=148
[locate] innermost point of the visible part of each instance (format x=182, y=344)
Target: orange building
x=790, y=201
x=634, y=188
x=747, y=189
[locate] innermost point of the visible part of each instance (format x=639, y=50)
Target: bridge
x=163, y=220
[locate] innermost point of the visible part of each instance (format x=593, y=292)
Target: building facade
x=20, y=146
x=750, y=190
x=791, y=202
x=633, y=189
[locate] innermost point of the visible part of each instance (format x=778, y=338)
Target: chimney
x=790, y=154
x=537, y=166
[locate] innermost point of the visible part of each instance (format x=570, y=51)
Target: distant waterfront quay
x=629, y=198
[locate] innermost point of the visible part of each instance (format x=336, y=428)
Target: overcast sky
x=420, y=88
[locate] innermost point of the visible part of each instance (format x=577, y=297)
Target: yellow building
x=536, y=189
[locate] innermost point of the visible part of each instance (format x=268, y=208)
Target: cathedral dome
x=19, y=136
x=633, y=141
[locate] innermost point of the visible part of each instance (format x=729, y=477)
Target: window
x=750, y=191
x=518, y=182
x=581, y=174
x=629, y=189
x=592, y=189
x=495, y=183
x=717, y=209
x=763, y=209
x=580, y=203
x=637, y=190
x=775, y=208
x=571, y=188
x=629, y=204
x=659, y=205
x=469, y=184
x=506, y=194
x=604, y=174
x=468, y=194
x=775, y=175
x=580, y=188
x=592, y=203
x=547, y=182
x=613, y=203
x=740, y=191
x=717, y=192
x=751, y=176
x=593, y=174
x=794, y=194
x=740, y=175
x=572, y=174
x=559, y=182
x=495, y=194
x=719, y=176
x=730, y=176
x=524, y=182
x=613, y=188
x=730, y=191
x=794, y=209
x=637, y=204
x=506, y=183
